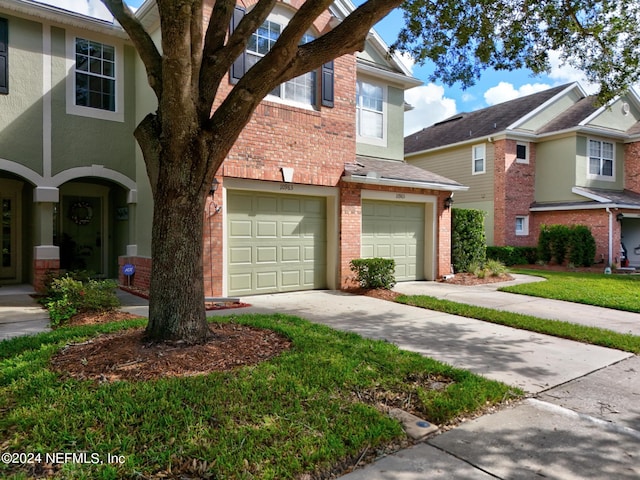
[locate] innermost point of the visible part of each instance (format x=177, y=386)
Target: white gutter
x=387, y=182
x=610, y=235
x=399, y=78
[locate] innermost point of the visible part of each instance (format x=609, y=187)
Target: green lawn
x=620, y=292
x=303, y=411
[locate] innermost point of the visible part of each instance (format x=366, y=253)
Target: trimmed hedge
x=556, y=242
x=513, y=255
x=468, y=240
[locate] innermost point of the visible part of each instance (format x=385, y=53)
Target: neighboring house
x=316, y=179
x=67, y=156
x=554, y=157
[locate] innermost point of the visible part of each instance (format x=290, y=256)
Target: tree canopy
x=462, y=38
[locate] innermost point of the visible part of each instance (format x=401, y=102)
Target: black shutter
x=327, y=84
x=238, y=67
x=4, y=55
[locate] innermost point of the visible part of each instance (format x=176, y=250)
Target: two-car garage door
x=395, y=230
x=276, y=243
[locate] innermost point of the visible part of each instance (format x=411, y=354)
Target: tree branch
x=141, y=40
x=218, y=58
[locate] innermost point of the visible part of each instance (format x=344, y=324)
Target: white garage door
x=276, y=243
x=395, y=230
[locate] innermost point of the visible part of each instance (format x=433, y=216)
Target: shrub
x=69, y=296
x=468, y=241
x=374, y=272
x=558, y=241
x=583, y=246
x=495, y=268
x=513, y=255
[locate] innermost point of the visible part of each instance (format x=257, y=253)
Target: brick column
x=350, y=231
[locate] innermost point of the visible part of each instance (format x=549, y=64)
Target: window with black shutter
x=4, y=55
x=301, y=89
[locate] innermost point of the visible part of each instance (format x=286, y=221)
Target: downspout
x=608, y=269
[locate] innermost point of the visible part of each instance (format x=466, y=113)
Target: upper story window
x=95, y=87
x=370, y=111
x=95, y=75
x=601, y=159
x=4, y=55
x=522, y=153
x=300, y=90
x=478, y=159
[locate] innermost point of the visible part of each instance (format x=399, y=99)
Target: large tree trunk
x=176, y=303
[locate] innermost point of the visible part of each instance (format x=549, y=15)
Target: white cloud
x=505, y=91
x=91, y=8
x=430, y=106
x=565, y=73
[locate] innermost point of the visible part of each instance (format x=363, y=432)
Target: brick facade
x=632, y=167
x=514, y=190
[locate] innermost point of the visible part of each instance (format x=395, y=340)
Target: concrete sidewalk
x=20, y=314
x=487, y=295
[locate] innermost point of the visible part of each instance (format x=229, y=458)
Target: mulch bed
x=138, y=292
x=127, y=355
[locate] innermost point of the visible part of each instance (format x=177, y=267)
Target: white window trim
x=72, y=108
x=526, y=145
x=380, y=142
x=473, y=159
x=525, y=225
x=282, y=17
x=604, y=178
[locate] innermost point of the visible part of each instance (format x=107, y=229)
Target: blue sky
x=432, y=101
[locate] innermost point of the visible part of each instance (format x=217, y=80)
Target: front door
x=9, y=236
x=83, y=235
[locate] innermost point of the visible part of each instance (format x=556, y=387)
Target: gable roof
x=573, y=116
x=480, y=123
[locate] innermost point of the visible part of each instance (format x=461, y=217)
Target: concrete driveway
x=581, y=420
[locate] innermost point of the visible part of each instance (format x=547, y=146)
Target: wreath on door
x=81, y=213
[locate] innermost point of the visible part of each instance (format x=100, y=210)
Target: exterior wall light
x=448, y=202
x=214, y=186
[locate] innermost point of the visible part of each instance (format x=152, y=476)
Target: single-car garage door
x=276, y=243
x=395, y=230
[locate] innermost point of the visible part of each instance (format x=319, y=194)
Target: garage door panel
x=240, y=281
x=263, y=204
x=395, y=231
x=280, y=243
x=267, y=228
x=240, y=255
x=266, y=255
x=266, y=280
x=290, y=254
x=290, y=229
x=239, y=228
x=290, y=278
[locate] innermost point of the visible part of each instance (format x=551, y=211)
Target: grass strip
x=301, y=412
x=618, y=292
x=581, y=333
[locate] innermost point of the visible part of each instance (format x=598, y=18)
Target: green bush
x=468, y=241
x=68, y=296
x=374, y=272
x=559, y=241
x=583, y=246
x=513, y=255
